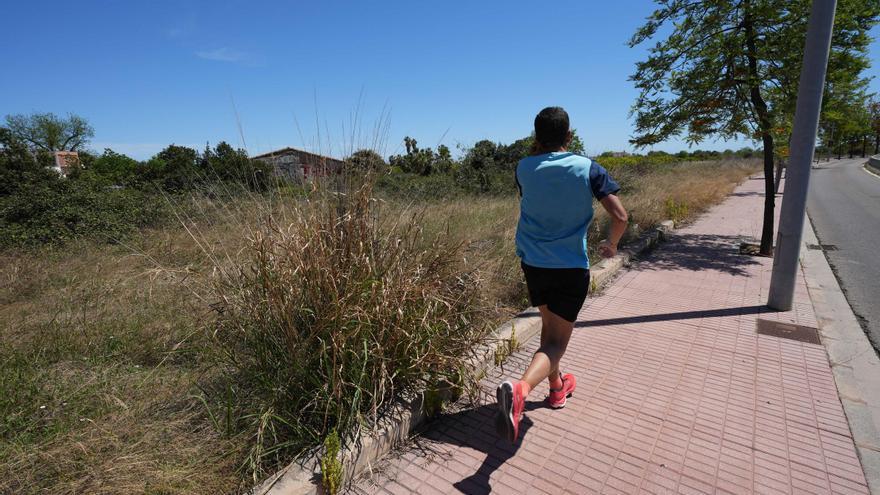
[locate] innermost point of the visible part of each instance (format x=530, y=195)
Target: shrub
x=175, y=168
x=115, y=167
x=366, y=161
x=225, y=163
x=19, y=168
x=54, y=211
x=331, y=312
x=408, y=185
x=459, y=182
x=675, y=210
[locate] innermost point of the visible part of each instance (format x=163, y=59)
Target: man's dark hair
x=551, y=127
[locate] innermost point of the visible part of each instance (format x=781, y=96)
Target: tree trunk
x=864, y=145
x=767, y=229
x=779, y=166
x=764, y=123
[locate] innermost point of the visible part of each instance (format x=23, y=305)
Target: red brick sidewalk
x=677, y=393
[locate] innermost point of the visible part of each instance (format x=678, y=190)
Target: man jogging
x=557, y=190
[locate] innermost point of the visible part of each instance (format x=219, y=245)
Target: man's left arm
x=605, y=189
x=619, y=219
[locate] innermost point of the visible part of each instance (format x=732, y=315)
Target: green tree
x=483, y=155
x=228, y=164
x=366, y=160
x=576, y=145
x=729, y=68
x=745, y=152
x=48, y=132
x=19, y=167
x=444, y=162
x=116, y=167
x=858, y=129
x=845, y=119
x=874, y=115
x=174, y=168
x=421, y=161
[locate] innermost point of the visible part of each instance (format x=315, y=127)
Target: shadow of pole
x=683, y=315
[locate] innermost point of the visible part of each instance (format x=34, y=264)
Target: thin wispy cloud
x=184, y=26
x=224, y=55
x=175, y=32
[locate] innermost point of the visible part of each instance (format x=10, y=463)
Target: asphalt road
x=844, y=206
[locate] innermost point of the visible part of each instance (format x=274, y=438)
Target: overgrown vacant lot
x=112, y=379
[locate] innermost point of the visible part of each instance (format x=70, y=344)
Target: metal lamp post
x=803, y=143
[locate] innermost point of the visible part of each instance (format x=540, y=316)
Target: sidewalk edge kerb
x=300, y=477
x=873, y=164
x=854, y=363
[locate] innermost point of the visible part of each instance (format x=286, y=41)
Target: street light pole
x=803, y=143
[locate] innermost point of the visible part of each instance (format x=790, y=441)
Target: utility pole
x=803, y=143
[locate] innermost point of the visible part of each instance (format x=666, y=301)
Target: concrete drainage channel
x=303, y=477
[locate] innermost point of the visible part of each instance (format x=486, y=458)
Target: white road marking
x=865, y=168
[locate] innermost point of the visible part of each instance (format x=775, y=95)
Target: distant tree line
x=107, y=195
x=850, y=128
x=487, y=167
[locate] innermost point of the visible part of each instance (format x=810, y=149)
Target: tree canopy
x=730, y=68
x=49, y=132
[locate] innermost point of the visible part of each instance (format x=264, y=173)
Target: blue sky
x=150, y=73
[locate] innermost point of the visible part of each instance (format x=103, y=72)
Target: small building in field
x=300, y=166
x=65, y=161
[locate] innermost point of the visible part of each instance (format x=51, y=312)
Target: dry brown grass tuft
x=331, y=310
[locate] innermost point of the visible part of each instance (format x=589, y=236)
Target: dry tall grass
x=329, y=312
x=98, y=374
x=106, y=368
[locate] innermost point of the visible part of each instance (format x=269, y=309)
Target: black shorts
x=563, y=290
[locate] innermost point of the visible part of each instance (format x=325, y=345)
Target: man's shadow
x=475, y=428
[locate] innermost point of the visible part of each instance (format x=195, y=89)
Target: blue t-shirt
x=556, y=208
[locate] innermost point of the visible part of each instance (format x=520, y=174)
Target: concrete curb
x=854, y=363
x=303, y=477
x=873, y=164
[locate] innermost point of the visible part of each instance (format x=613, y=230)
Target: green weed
x=676, y=211
x=331, y=466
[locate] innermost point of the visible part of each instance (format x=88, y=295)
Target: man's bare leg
x=555, y=334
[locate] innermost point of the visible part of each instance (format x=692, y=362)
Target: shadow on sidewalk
x=683, y=315
x=475, y=428
x=745, y=194
x=699, y=252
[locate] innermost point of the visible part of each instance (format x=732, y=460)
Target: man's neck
x=542, y=151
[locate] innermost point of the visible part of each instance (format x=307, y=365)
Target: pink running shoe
x=510, y=408
x=557, y=398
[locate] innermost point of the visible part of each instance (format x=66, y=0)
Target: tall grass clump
x=330, y=311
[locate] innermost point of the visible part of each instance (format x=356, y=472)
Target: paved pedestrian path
x=677, y=392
